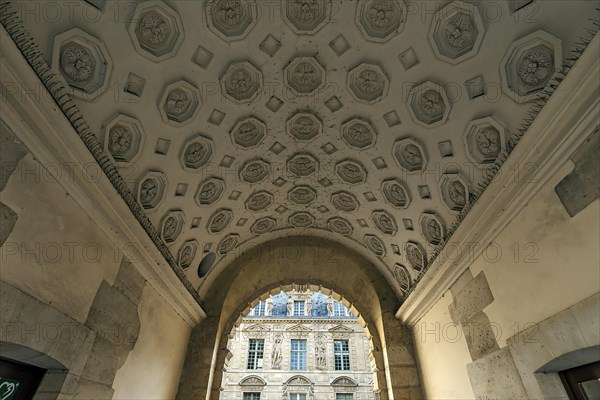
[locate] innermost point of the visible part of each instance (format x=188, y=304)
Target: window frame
x=341, y=358
x=260, y=309
x=255, y=352
x=299, y=363
x=344, y=396
x=250, y=395
x=299, y=311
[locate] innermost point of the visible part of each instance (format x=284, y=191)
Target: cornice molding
x=30, y=112
x=566, y=120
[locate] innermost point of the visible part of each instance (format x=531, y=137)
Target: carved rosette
x=248, y=132
x=306, y=17
x=358, y=134
x=396, y=193
x=179, y=102
x=344, y=201
x=454, y=191
x=259, y=201
x=340, y=225
x=209, y=191
x=385, y=222
x=304, y=126
x=151, y=189
x=187, y=253
x=255, y=171
x=83, y=61
x=415, y=255
x=529, y=64
x=219, y=220
x=231, y=19
x=375, y=244
x=351, y=171
x=229, y=243
x=171, y=226
x=402, y=277
x=456, y=32
x=410, y=155
x=368, y=83
x=428, y=104
x=155, y=30
x=433, y=228
x=485, y=140
x=302, y=195
x=302, y=164
x=123, y=138
x=242, y=82
x=196, y=152
x=263, y=225
x=304, y=76
x=301, y=220
x=380, y=20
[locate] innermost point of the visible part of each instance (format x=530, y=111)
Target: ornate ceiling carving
x=369, y=121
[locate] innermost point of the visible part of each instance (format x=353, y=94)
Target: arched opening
x=300, y=262
x=300, y=342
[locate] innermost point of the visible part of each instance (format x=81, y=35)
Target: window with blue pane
x=259, y=310
x=339, y=310
x=341, y=352
x=298, y=308
x=298, y=355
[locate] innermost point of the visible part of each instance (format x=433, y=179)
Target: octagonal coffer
x=456, y=32
x=380, y=20
x=304, y=76
x=83, y=61
x=358, y=133
x=351, y=171
x=433, y=227
x=529, y=64
x=242, y=82
x=228, y=244
x=385, y=222
x=209, y=191
x=302, y=164
x=428, y=104
x=410, y=154
x=302, y=195
x=151, y=188
x=255, y=171
x=179, y=102
x=415, y=255
x=231, y=19
x=156, y=30
x=263, y=225
x=259, y=201
x=171, y=226
x=123, y=138
x=454, y=190
x=304, y=126
x=248, y=132
x=344, y=201
x=485, y=140
x=368, y=83
x=187, y=253
x=402, y=277
x=196, y=152
x=306, y=17
x=219, y=220
x=340, y=225
x=396, y=193
x=301, y=220
x=375, y=244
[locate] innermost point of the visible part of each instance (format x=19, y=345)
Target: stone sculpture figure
x=308, y=308
x=330, y=306
x=276, y=355
x=290, y=307
x=320, y=354
x=269, y=309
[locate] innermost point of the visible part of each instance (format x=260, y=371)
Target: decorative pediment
x=256, y=328
x=299, y=328
x=340, y=329
x=252, y=381
x=298, y=380
x=344, y=381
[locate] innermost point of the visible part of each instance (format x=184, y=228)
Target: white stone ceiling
x=235, y=122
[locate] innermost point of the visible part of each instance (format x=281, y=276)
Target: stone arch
x=320, y=264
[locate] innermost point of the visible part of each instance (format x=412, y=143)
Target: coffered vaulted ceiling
x=368, y=122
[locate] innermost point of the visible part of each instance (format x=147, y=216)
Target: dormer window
x=299, y=308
